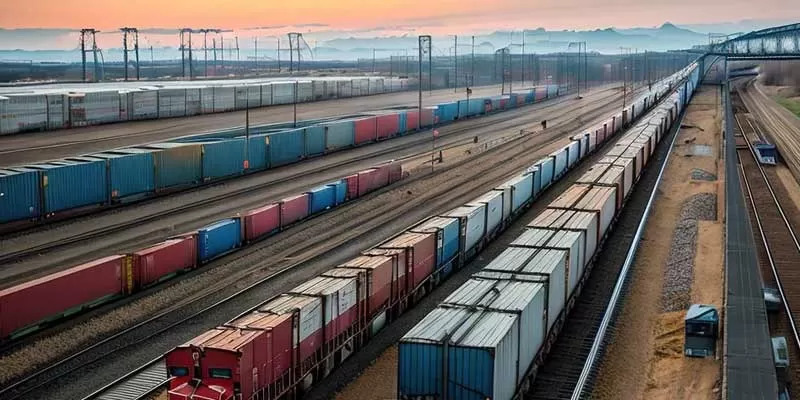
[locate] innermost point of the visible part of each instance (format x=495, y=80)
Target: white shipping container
x=476, y=223
x=569, y=197
x=193, y=103
x=102, y=107
x=282, y=93
x=573, y=242
x=25, y=112
x=142, y=104
x=57, y=111
x=602, y=200
x=171, y=102
x=224, y=98
x=305, y=91
x=338, y=296
x=344, y=89
x=123, y=105
x=5, y=121
x=266, y=94
x=493, y=201
x=626, y=163
x=318, y=87
x=309, y=309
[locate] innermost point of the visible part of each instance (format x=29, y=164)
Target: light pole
x=578, y=64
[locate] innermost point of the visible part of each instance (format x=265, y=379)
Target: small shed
x=701, y=328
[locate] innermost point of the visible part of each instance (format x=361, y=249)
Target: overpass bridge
x=780, y=42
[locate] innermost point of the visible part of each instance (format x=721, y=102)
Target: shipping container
x=480, y=348
x=25, y=306
x=402, y=123
x=560, y=163
x=446, y=231
x=219, y=238
x=380, y=271
x=262, y=221
x=286, y=147
x=307, y=331
x=257, y=153
x=352, y=186
x=222, y=158
x=129, y=173
x=71, y=184
x=20, y=194
x=574, y=243
x=177, y=164
x=372, y=179
x=304, y=91
x=224, y=98
x=615, y=176
x=420, y=249
x=571, y=196
x=447, y=111
x=365, y=130
x=23, y=112
x=601, y=200
x=321, y=198
x=143, y=104
x=472, y=222
x=521, y=192
x=266, y=94
x=294, y=209
x=574, y=152
x=163, y=260
x=171, y=102
x=388, y=125
x=627, y=164
x=339, y=134
x=403, y=274
x=340, y=191
x=57, y=111
x=546, y=168
x=339, y=302
x=493, y=201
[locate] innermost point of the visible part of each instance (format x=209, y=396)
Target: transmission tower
x=88, y=33
x=295, y=38
x=186, y=47
x=126, y=49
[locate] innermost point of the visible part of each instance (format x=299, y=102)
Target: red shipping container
x=352, y=186
x=307, y=311
x=427, y=116
x=366, y=181
x=262, y=221
x=365, y=130
x=273, y=353
x=381, y=177
x=155, y=262
x=412, y=116
x=379, y=271
x=402, y=274
x=294, y=209
x=80, y=286
x=395, y=171
x=420, y=249
x=387, y=125
x=339, y=302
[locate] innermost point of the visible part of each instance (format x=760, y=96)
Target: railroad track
x=452, y=138
x=779, y=250
x=180, y=314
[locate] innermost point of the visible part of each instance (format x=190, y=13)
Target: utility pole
x=152, y=61
x=125, y=49
x=455, y=50
x=424, y=44
x=255, y=50
x=472, y=73
x=88, y=33
x=523, y=58
x=373, y=61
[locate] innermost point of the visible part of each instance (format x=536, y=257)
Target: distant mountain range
x=58, y=45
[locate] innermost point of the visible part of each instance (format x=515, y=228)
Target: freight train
x=74, y=185
x=487, y=339
x=280, y=348
x=32, y=109
x=30, y=306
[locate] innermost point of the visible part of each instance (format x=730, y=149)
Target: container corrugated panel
x=66, y=291
x=571, y=196
x=19, y=195
x=223, y=158
x=447, y=237
x=402, y=122
x=257, y=153
x=177, y=164
x=340, y=190
x=574, y=152
x=507, y=198
x=525, y=299
x=69, y=185
x=24, y=113
x=321, y=198
x=266, y=94
x=365, y=130
x=574, y=243
x=304, y=91
x=102, y=107
x=588, y=223
x=143, y=104
x=615, y=176
x=164, y=259
x=129, y=174
x=286, y=147
x=171, y=102
x=593, y=174
x=218, y=238
x=523, y=190
x=224, y=98
x=352, y=186
x=339, y=134
x=473, y=223
x=546, y=168
x=412, y=119
x=283, y=92
x=294, y=209
x=482, y=361
x=262, y=221
x=421, y=251
x=207, y=100
x=314, y=140
x=560, y=165
x=57, y=111
x=447, y=111
x=493, y=201
x=628, y=164
x=193, y=105
x=388, y=125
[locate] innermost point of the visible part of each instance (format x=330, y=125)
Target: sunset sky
x=351, y=14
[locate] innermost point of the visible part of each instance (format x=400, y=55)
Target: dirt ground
x=378, y=382
x=645, y=359
x=788, y=181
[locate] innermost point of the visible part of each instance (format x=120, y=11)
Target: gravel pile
x=678, y=274
x=702, y=175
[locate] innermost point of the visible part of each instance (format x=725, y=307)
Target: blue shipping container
x=218, y=238
x=522, y=192
x=223, y=158
x=574, y=152
x=129, y=174
x=493, y=201
x=286, y=147
x=19, y=195
x=472, y=220
x=447, y=112
x=560, y=157
x=257, y=153
x=177, y=164
x=340, y=187
x=546, y=168
x=321, y=198
x=447, y=237
x=69, y=185
x=315, y=140
x=339, y=134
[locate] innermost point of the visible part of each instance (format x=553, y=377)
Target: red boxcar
x=420, y=251
x=223, y=357
x=262, y=221
x=294, y=209
x=372, y=179
x=427, y=116
x=379, y=271
x=62, y=293
x=366, y=130
x=339, y=302
x=307, y=332
x=395, y=171
x=352, y=186
x=387, y=125
x=156, y=262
